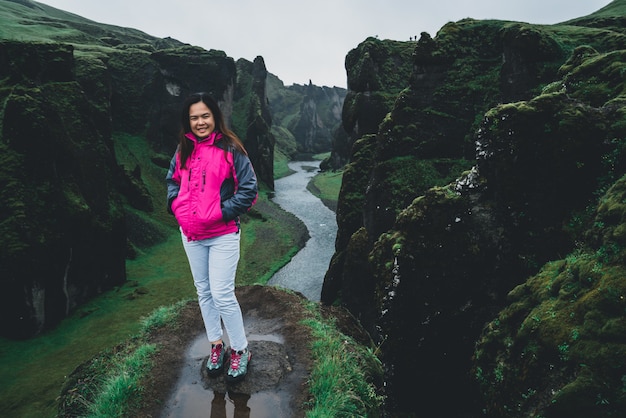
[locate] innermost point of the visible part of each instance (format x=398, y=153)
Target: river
x=305, y=272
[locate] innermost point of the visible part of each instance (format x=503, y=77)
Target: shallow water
x=192, y=398
x=304, y=273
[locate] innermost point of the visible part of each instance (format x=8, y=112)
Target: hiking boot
x=215, y=362
x=238, y=365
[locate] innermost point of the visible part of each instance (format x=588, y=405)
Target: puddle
x=196, y=395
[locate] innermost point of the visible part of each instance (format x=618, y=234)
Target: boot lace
x=216, y=350
x=235, y=359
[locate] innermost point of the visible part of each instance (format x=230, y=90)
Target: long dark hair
x=231, y=140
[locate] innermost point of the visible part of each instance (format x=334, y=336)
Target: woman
x=210, y=183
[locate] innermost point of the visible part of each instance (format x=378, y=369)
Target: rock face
x=60, y=204
x=259, y=139
x=305, y=116
x=377, y=72
x=477, y=240
x=151, y=87
x=86, y=132
x=320, y=114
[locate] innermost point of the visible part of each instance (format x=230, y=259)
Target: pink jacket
x=209, y=194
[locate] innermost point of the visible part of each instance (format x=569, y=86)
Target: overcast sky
x=302, y=41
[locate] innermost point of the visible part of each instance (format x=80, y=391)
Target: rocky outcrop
x=377, y=72
x=320, y=113
x=486, y=167
x=259, y=139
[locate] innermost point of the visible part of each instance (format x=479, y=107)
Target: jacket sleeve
x=173, y=183
x=246, y=192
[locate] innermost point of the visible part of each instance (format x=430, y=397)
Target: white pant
x=213, y=264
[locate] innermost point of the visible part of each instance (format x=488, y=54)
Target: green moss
x=598, y=77
x=372, y=58
x=133, y=151
x=568, y=318
x=407, y=177
x=574, y=311
x=284, y=150
x=13, y=204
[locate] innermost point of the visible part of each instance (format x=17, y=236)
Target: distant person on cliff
x=210, y=183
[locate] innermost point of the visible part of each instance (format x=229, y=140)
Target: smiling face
x=201, y=120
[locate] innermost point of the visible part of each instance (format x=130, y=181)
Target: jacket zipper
x=203, y=179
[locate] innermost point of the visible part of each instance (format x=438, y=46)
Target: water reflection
x=239, y=400
x=195, y=395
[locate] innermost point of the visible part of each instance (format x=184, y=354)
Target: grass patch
x=281, y=167
x=162, y=316
x=341, y=382
x=120, y=389
x=110, y=383
x=326, y=186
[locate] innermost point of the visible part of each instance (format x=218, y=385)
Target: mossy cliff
x=479, y=219
x=89, y=115
x=254, y=117
x=60, y=203
x=377, y=71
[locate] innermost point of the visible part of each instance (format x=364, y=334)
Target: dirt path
x=280, y=365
